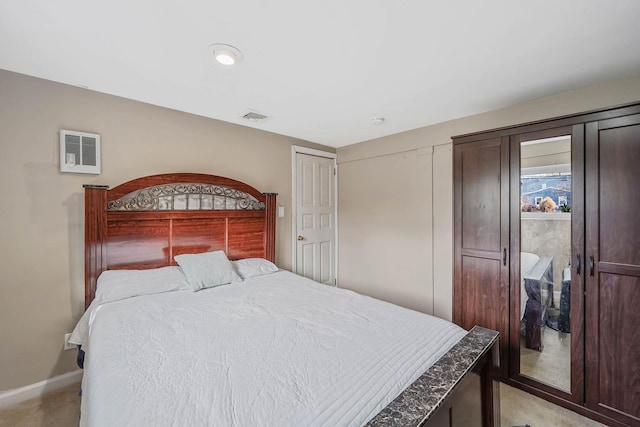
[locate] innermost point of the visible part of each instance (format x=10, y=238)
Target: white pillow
x=251, y=267
x=114, y=285
x=207, y=270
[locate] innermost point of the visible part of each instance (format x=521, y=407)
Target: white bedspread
x=275, y=350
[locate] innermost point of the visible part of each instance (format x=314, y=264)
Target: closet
x=569, y=320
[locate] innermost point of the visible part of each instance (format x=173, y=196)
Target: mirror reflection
x=545, y=249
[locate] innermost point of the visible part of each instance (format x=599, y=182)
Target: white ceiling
x=322, y=69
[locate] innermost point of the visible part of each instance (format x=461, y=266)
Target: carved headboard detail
x=145, y=222
x=186, y=196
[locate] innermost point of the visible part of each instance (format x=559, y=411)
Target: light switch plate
x=280, y=211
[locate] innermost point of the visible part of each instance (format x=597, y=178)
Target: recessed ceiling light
x=225, y=54
x=376, y=120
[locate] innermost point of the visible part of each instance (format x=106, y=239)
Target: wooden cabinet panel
x=481, y=196
x=613, y=268
x=619, y=343
x=480, y=297
x=481, y=240
x=618, y=196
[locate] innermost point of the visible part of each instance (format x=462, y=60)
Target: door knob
x=300, y=238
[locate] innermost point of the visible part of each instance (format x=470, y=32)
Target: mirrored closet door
x=543, y=335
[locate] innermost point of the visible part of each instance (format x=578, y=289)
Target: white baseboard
x=17, y=395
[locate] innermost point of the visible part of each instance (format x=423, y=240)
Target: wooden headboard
x=145, y=222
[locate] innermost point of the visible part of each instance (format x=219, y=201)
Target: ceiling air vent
x=254, y=116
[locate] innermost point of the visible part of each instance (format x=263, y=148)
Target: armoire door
x=481, y=239
x=612, y=268
x=547, y=296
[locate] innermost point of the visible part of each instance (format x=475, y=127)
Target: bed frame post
x=270, y=226
x=95, y=231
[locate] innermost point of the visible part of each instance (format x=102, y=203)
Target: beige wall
x=389, y=250
x=41, y=285
x=548, y=237
x=406, y=242
x=395, y=265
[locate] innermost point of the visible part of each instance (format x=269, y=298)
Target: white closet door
x=315, y=218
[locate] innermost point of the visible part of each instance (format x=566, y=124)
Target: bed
x=266, y=347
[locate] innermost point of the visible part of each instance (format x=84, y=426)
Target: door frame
x=295, y=150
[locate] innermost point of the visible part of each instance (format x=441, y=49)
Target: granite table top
x=418, y=402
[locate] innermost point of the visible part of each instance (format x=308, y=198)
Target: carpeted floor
x=518, y=408
x=61, y=408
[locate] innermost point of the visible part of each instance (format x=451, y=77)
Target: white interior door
x=315, y=218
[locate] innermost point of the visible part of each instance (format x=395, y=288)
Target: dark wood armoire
x=604, y=269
